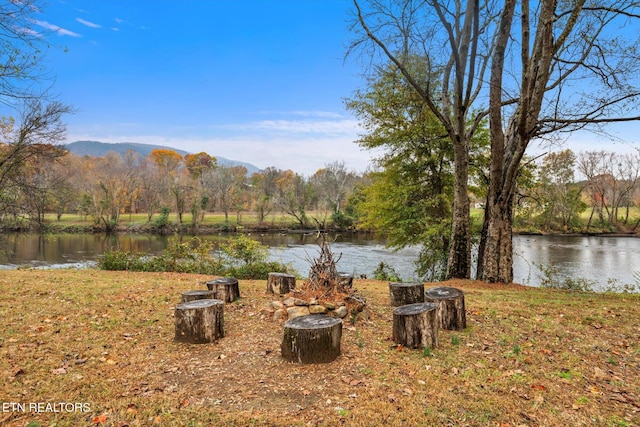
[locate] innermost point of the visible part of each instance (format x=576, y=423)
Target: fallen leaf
x=538, y=387
x=306, y=392
x=100, y=419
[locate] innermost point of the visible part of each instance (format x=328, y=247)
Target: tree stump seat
x=225, y=289
x=405, y=293
x=345, y=280
x=314, y=338
x=200, y=321
x=280, y=283
x=416, y=325
x=196, y=295
x=451, y=310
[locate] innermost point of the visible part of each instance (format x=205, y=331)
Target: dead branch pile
x=323, y=275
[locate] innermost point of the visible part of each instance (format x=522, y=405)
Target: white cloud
x=304, y=156
x=328, y=127
x=303, y=141
x=88, y=23
x=61, y=31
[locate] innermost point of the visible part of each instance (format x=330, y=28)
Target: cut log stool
x=280, y=283
x=345, y=280
x=314, y=338
x=200, y=321
x=416, y=325
x=225, y=289
x=450, y=301
x=405, y=293
x=196, y=295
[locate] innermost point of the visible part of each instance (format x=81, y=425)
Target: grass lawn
x=98, y=348
x=211, y=218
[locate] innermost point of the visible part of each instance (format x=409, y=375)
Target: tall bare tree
x=442, y=49
x=554, y=67
x=33, y=139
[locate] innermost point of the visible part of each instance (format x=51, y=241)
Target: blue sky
x=262, y=81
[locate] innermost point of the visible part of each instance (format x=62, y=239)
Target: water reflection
x=597, y=259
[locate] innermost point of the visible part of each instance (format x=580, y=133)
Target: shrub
x=243, y=259
x=244, y=249
x=387, y=273
x=551, y=279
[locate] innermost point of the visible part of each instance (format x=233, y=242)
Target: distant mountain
x=100, y=149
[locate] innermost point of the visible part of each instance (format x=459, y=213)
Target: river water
x=599, y=260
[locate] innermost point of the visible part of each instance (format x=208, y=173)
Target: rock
x=277, y=305
x=297, y=311
x=340, y=312
x=330, y=305
x=288, y=302
x=280, y=314
x=300, y=302
x=317, y=309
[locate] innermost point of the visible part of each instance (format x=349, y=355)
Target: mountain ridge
x=100, y=149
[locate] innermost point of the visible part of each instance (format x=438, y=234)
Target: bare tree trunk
x=459, y=261
x=495, y=260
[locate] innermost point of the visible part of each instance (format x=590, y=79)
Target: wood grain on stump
x=314, y=338
x=280, y=283
x=196, y=295
x=416, y=325
x=225, y=289
x=405, y=293
x=200, y=321
x=451, y=311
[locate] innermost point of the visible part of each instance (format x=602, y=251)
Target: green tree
x=199, y=167
x=410, y=196
x=294, y=196
x=559, y=194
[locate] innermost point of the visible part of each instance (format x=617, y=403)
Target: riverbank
x=248, y=223
x=104, y=340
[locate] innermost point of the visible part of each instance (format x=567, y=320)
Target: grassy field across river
x=96, y=348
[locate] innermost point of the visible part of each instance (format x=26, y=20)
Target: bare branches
x=323, y=275
x=22, y=74
x=40, y=129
